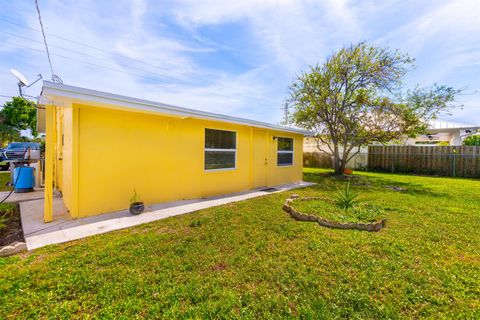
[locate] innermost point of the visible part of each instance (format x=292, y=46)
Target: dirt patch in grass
x=219, y=267
x=10, y=224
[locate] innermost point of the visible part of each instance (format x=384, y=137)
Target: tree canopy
x=355, y=99
x=17, y=114
x=8, y=134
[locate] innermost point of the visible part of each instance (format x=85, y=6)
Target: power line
x=84, y=62
x=87, y=45
x=96, y=57
x=122, y=71
x=55, y=78
x=82, y=54
x=16, y=96
x=265, y=100
x=105, y=51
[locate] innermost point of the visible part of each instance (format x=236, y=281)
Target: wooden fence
x=317, y=160
x=323, y=160
x=457, y=161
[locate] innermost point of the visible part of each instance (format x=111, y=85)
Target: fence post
x=454, y=162
x=394, y=158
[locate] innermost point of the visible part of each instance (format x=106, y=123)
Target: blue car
x=16, y=150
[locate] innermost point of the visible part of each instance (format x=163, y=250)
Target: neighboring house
x=100, y=147
x=445, y=132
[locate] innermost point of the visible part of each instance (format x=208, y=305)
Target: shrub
x=3, y=222
x=6, y=213
x=346, y=198
x=472, y=140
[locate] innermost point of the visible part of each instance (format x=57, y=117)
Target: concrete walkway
x=19, y=197
x=62, y=229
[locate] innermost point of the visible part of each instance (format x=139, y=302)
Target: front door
x=259, y=159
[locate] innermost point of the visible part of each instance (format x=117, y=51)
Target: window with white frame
x=284, y=151
x=220, y=149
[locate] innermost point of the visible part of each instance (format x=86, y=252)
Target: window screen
x=284, y=151
x=220, y=149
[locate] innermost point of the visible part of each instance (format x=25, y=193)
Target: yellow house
x=100, y=147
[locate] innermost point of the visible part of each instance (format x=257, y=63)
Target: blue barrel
x=26, y=180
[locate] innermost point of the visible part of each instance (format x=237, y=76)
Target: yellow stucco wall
x=50, y=130
x=109, y=153
x=59, y=148
x=65, y=140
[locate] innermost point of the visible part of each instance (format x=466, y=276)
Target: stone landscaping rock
x=12, y=249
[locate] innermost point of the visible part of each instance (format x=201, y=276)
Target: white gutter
x=50, y=90
x=450, y=130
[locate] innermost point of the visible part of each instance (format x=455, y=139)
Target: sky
x=233, y=57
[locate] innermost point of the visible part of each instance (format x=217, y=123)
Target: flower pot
x=137, y=208
x=347, y=171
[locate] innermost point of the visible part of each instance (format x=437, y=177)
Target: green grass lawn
x=251, y=260
x=4, y=178
x=365, y=211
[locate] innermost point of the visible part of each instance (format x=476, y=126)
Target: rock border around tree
x=297, y=215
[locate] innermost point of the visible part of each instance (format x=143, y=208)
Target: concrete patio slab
x=25, y=196
x=32, y=215
x=62, y=229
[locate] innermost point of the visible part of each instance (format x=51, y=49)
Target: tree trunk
x=342, y=165
x=337, y=164
x=343, y=161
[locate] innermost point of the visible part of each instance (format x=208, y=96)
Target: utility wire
x=97, y=57
x=84, y=62
x=131, y=59
x=86, y=45
x=83, y=54
x=90, y=46
x=124, y=72
x=102, y=58
x=17, y=96
x=55, y=78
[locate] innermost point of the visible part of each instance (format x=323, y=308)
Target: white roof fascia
x=454, y=129
x=51, y=89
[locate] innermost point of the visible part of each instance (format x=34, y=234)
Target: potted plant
x=136, y=206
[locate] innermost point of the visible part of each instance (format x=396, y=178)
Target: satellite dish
x=20, y=77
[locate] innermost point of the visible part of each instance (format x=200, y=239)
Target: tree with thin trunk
x=354, y=99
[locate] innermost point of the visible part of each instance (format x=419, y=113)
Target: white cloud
x=292, y=33
x=284, y=37
x=445, y=40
